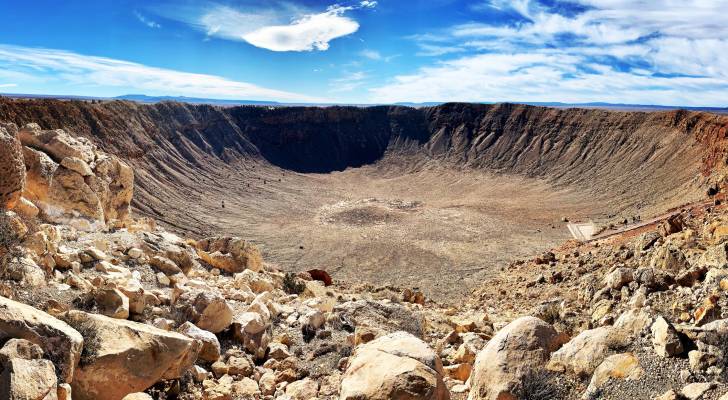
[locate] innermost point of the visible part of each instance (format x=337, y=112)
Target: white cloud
x=8, y=85
x=546, y=26
x=229, y=23
x=607, y=22
x=547, y=75
x=310, y=32
x=612, y=19
x=76, y=69
x=146, y=21
x=280, y=26
x=630, y=51
x=704, y=57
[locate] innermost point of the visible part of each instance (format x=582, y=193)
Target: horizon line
x=140, y=98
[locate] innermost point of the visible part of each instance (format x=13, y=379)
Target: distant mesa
x=146, y=99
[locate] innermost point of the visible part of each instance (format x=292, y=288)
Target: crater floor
x=434, y=228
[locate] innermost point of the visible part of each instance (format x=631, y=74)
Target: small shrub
x=539, y=385
x=91, y=344
x=293, y=285
x=346, y=351
x=308, y=333
x=722, y=345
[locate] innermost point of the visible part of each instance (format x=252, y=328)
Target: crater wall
x=637, y=158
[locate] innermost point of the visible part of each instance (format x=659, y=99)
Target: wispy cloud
x=595, y=50
x=8, y=85
x=278, y=26
x=375, y=55
x=76, y=69
x=371, y=54
x=431, y=45
x=146, y=21
x=549, y=75
x=348, y=82
x=434, y=50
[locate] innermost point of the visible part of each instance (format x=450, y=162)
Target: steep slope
x=631, y=160
x=615, y=152
x=559, y=143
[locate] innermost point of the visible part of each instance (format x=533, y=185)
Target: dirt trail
x=630, y=227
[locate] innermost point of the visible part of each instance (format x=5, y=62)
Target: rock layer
x=71, y=181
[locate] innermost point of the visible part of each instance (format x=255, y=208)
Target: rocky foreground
x=98, y=305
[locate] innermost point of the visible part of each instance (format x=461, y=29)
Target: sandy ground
x=433, y=228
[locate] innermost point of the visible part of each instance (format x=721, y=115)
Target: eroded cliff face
x=176, y=147
x=517, y=138
x=630, y=159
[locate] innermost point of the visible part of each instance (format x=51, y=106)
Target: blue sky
x=364, y=51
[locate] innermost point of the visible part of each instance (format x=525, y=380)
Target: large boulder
x=617, y=366
x=113, y=180
x=670, y=258
x=60, y=342
x=619, y=277
x=673, y=224
x=653, y=279
x=231, y=254
x=210, y=345
x=12, y=167
x=122, y=357
x=56, y=143
x=583, y=354
x=73, y=182
x=164, y=265
x=398, y=366
x=305, y=389
x=633, y=322
x=714, y=333
x=113, y=303
x=517, y=350
x=172, y=247
x=24, y=375
x=206, y=309
x=665, y=338
x=252, y=331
